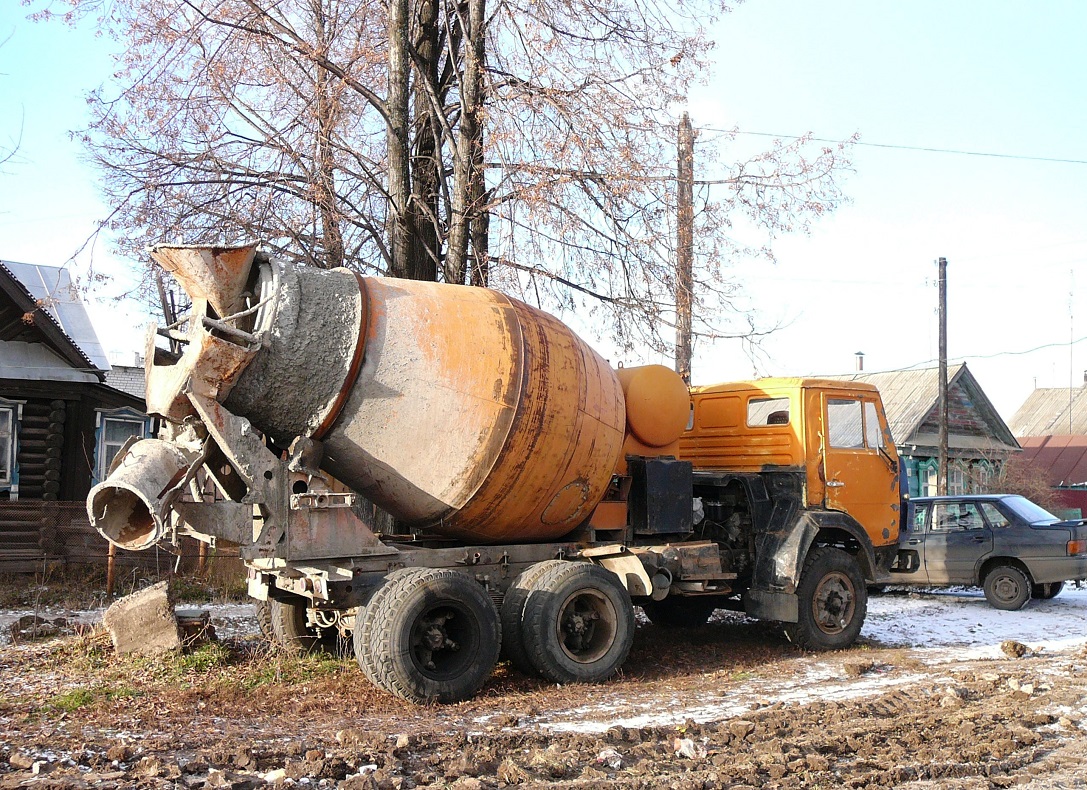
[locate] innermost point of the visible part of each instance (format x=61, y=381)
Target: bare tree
x=524, y=144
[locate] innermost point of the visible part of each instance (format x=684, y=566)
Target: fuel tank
x=459, y=410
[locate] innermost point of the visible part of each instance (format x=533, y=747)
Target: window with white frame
x=114, y=429
x=956, y=481
x=7, y=443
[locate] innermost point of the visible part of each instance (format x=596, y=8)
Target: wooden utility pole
x=942, y=470
x=684, y=247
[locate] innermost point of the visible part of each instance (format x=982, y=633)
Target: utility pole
x=942, y=471
x=684, y=247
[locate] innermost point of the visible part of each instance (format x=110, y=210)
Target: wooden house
x=60, y=420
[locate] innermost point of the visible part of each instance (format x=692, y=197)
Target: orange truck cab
x=796, y=476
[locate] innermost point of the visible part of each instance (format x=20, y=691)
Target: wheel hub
x=834, y=603
x=433, y=637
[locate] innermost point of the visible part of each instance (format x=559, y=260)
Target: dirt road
x=928, y=699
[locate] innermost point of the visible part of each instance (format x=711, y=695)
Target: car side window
x=956, y=517
x=997, y=520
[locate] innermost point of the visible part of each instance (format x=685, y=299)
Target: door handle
x=835, y=484
x=914, y=541
x=979, y=539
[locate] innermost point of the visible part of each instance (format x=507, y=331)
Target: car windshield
x=1028, y=511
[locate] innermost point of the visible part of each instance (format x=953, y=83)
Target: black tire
x=433, y=635
x=1043, y=592
x=364, y=623
x=833, y=601
x=263, y=612
x=1007, y=587
x=289, y=629
x=512, y=612
x=680, y=611
x=578, y=623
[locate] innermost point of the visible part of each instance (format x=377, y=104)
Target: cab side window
x=845, y=424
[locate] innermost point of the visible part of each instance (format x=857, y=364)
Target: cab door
x=860, y=467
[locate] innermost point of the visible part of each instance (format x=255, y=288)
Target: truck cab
x=788, y=466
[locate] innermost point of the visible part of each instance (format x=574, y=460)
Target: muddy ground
x=730, y=704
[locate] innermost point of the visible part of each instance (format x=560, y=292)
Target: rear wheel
x=1007, y=587
x=679, y=612
x=578, y=623
x=513, y=609
x=289, y=627
x=1044, y=592
x=430, y=635
x=263, y=612
x=833, y=601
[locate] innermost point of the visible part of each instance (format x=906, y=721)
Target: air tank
x=458, y=410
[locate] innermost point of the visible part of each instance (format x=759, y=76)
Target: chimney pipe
x=860, y=363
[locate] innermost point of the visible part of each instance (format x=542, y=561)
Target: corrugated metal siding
x=1064, y=458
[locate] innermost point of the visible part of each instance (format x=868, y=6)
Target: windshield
x=1027, y=510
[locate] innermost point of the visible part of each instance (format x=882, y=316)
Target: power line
x=924, y=149
x=966, y=357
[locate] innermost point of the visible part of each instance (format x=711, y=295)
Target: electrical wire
x=924, y=149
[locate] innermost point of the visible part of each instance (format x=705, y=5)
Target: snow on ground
x=935, y=626
x=960, y=624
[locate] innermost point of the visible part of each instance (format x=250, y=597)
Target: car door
x=909, y=564
x=957, y=540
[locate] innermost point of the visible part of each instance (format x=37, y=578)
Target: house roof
x=43, y=305
x=1063, y=459
x=910, y=399
x=1060, y=411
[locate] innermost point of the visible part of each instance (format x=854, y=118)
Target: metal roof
x=52, y=288
x=1060, y=411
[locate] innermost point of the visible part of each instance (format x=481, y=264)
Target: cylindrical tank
x=456, y=409
x=658, y=406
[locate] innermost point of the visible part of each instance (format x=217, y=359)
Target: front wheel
x=833, y=601
x=1007, y=587
x=1043, y=592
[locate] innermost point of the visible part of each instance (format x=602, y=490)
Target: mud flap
x=767, y=605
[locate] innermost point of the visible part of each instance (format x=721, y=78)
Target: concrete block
x=144, y=622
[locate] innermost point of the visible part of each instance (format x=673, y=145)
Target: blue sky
x=987, y=77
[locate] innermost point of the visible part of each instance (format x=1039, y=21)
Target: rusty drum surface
x=456, y=409
x=476, y=415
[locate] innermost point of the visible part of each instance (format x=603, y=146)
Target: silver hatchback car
x=1004, y=543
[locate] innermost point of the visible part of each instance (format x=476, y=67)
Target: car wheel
x=1007, y=587
x=1043, y=592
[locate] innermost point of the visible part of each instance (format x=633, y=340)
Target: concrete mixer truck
x=447, y=476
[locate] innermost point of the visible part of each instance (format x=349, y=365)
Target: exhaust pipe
x=130, y=508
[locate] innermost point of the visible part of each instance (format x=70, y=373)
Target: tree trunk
x=399, y=178
x=684, y=247
x=324, y=176
x=468, y=141
x=426, y=169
